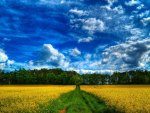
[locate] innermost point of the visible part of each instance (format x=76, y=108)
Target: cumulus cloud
x=74, y=52
x=111, y=2
x=146, y=21
x=4, y=61
x=88, y=65
x=51, y=56
x=2, y=66
x=132, y=2
x=109, y=7
x=144, y=14
x=93, y=25
x=86, y=40
x=141, y=6
x=136, y=33
x=118, y=9
x=78, y=12
x=3, y=56
x=108, y=19
x=10, y=62
x=87, y=57
x=127, y=56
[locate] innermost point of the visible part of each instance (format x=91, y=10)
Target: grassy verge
x=77, y=102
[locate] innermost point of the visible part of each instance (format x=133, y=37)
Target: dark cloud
x=128, y=56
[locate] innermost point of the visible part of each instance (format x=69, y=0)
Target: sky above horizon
x=88, y=36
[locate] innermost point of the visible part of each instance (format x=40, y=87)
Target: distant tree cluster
x=130, y=77
x=60, y=77
x=43, y=76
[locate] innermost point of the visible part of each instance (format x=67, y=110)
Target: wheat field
x=14, y=99
x=126, y=98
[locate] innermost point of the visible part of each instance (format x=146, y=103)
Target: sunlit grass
x=126, y=98
x=15, y=99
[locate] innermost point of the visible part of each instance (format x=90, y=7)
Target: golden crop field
x=127, y=98
x=14, y=99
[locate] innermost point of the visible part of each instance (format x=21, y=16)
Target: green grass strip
x=77, y=102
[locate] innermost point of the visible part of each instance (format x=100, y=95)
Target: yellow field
x=130, y=99
x=15, y=99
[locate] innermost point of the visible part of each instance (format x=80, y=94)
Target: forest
x=59, y=77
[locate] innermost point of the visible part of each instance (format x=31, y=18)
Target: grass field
x=20, y=99
x=126, y=98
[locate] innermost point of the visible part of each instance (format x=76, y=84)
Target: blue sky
x=87, y=36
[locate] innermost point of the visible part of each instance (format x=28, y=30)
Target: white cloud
x=4, y=61
x=48, y=2
x=3, y=56
x=111, y=2
x=10, y=62
x=101, y=47
x=136, y=33
x=74, y=52
x=118, y=9
x=68, y=2
x=144, y=14
x=146, y=21
x=88, y=39
x=2, y=66
x=122, y=57
x=78, y=12
x=110, y=19
x=93, y=25
x=31, y=63
x=129, y=55
x=107, y=7
x=141, y=6
x=132, y=2
x=51, y=56
x=88, y=66
x=84, y=71
x=87, y=57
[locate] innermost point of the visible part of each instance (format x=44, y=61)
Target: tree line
x=60, y=77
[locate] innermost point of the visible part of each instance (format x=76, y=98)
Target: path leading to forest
x=77, y=102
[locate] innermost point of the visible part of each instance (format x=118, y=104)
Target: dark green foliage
x=131, y=77
x=95, y=79
x=43, y=76
x=60, y=77
x=77, y=80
